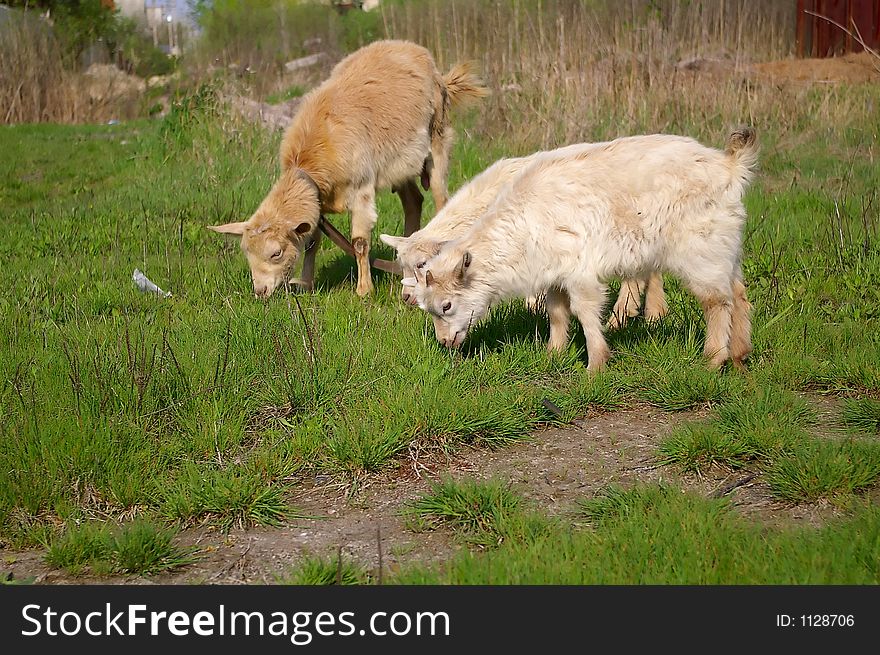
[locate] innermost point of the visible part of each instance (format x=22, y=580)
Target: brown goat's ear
x=229, y=228
x=429, y=278
x=298, y=232
x=465, y=264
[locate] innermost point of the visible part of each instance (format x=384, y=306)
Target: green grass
x=696, y=447
x=659, y=535
x=289, y=93
x=139, y=547
x=479, y=509
x=212, y=407
x=323, y=571
x=756, y=426
x=833, y=470
x=768, y=431
x=232, y=498
x=862, y=414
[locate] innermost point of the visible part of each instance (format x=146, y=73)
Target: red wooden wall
x=820, y=38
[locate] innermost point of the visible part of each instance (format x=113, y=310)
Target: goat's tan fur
x=380, y=121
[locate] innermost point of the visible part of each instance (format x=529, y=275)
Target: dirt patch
x=552, y=470
x=852, y=68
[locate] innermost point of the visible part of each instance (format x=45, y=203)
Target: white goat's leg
x=559, y=313
x=655, y=298
x=363, y=220
x=718, y=309
x=740, y=323
x=536, y=303
x=629, y=300
x=587, y=302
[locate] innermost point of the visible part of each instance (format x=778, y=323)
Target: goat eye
x=421, y=265
x=277, y=254
x=447, y=306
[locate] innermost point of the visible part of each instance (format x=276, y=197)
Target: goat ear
x=394, y=242
x=298, y=232
x=465, y=264
x=429, y=278
x=229, y=228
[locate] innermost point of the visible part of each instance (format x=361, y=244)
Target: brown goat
x=380, y=121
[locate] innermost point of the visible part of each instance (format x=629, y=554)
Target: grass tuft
x=659, y=535
x=831, y=470
x=478, y=509
x=140, y=547
x=862, y=414
x=696, y=447
x=681, y=388
x=321, y=571
x=227, y=498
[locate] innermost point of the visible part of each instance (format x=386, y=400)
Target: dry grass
x=565, y=71
x=39, y=82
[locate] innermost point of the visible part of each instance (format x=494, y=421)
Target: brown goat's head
x=273, y=238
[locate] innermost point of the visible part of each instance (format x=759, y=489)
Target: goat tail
x=463, y=84
x=742, y=147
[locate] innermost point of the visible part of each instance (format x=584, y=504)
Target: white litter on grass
x=144, y=284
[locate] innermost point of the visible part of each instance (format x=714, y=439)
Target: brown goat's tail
x=463, y=85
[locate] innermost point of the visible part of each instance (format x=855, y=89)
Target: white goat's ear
x=408, y=282
x=429, y=278
x=465, y=264
x=298, y=232
x=229, y=228
x=394, y=242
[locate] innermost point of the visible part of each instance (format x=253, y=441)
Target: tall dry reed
x=578, y=70
x=39, y=80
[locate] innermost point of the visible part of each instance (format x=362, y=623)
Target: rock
x=106, y=82
x=704, y=64
x=276, y=117
x=305, y=62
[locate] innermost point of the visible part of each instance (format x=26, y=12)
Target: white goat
x=472, y=201
x=627, y=208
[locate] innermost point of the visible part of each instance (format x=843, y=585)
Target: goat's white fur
x=471, y=202
x=625, y=208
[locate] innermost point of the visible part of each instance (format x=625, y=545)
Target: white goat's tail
x=463, y=85
x=742, y=148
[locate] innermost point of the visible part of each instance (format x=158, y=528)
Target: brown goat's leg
x=411, y=199
x=441, y=145
x=307, y=276
x=363, y=220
